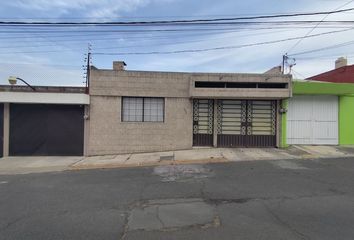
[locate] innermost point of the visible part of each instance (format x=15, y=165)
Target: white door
x=312, y=120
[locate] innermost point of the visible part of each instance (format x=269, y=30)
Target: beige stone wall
x=108, y=135
x=134, y=83
x=170, y=84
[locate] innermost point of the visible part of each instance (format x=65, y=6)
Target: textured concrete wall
x=134, y=83
x=108, y=135
x=170, y=84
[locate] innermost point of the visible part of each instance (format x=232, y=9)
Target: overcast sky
x=56, y=58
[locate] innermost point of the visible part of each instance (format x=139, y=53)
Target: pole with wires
x=287, y=63
x=87, y=68
x=283, y=63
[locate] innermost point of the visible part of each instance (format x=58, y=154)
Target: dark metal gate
x=246, y=123
x=203, y=121
x=46, y=129
x=1, y=129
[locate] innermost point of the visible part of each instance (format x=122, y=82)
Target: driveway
x=271, y=199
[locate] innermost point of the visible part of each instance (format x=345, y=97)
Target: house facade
x=138, y=111
x=319, y=113
x=126, y=111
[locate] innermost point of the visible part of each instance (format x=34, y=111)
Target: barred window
x=139, y=109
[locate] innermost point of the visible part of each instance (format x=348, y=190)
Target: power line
x=176, y=21
x=277, y=26
x=147, y=40
x=324, y=48
x=327, y=56
x=309, y=32
x=231, y=26
x=114, y=24
x=297, y=73
x=149, y=17
x=218, y=48
x=95, y=32
x=110, y=35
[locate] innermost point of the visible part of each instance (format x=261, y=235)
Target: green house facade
x=319, y=113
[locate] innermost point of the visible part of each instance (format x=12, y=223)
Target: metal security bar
x=203, y=121
x=262, y=117
x=246, y=123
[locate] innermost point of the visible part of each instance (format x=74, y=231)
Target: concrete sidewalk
x=23, y=165
x=212, y=155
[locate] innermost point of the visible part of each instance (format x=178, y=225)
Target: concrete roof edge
x=40, y=88
x=197, y=73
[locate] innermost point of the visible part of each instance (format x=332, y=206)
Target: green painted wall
x=345, y=91
x=284, y=105
x=346, y=120
x=322, y=88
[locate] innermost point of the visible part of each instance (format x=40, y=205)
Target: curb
x=147, y=164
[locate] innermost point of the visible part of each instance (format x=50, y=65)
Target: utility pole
x=88, y=64
x=285, y=58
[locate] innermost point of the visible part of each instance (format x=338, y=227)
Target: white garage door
x=312, y=120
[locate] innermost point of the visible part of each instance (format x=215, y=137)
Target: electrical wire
x=327, y=56
x=177, y=21
x=324, y=48
x=144, y=41
x=273, y=24
x=309, y=32
x=217, y=48
x=190, y=50
x=80, y=25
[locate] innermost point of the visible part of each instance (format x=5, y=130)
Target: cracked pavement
x=279, y=199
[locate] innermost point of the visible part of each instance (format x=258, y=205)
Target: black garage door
x=46, y=130
x=1, y=128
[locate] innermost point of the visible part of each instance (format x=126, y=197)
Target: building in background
x=342, y=73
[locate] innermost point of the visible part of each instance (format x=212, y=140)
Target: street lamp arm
x=26, y=83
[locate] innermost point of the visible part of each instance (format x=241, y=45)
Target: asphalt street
x=280, y=199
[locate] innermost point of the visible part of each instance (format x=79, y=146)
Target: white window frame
x=143, y=115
